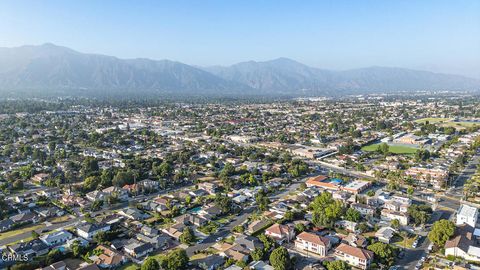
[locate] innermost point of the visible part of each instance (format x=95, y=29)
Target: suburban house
x=311, y=242
x=39, y=178
x=138, y=249
x=159, y=241
x=30, y=249
x=61, y=265
x=280, y=232
x=463, y=244
x=56, y=238
x=26, y=217
x=190, y=219
x=209, y=187
x=121, y=193
x=96, y=195
x=467, y=214
x=389, y=215
x=365, y=210
x=133, y=213
x=385, y=234
x=6, y=225
x=108, y=258
x=356, y=257
x=249, y=242
x=257, y=225
x=88, y=230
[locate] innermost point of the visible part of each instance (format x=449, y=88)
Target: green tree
x=385, y=252
x=35, y=235
x=336, y=265
x=150, y=264
x=441, y=231
x=280, y=259
x=91, y=183
x=395, y=223
x=77, y=248
x=257, y=254
x=383, y=148
x=224, y=203
x=175, y=260
x=53, y=256
x=187, y=237
x=268, y=243
x=352, y=215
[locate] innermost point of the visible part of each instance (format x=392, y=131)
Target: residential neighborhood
x=368, y=182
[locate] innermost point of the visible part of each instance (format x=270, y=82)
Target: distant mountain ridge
x=54, y=68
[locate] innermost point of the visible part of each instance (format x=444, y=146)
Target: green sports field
x=394, y=149
x=446, y=122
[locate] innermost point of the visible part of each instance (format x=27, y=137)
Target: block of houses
x=311, y=242
x=433, y=176
x=280, y=233
x=467, y=214
x=354, y=256
x=88, y=230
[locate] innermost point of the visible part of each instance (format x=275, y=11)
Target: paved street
x=459, y=181
x=412, y=256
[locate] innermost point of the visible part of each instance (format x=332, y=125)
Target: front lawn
x=406, y=243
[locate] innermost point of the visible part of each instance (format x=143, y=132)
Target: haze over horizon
x=436, y=36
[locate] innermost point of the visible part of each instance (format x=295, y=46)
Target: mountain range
x=52, y=69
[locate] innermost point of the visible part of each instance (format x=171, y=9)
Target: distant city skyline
x=439, y=36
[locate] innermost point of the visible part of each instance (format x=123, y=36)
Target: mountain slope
x=55, y=70
x=287, y=76
x=53, y=67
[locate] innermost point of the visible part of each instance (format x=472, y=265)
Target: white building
x=467, y=215
x=88, y=230
x=56, y=238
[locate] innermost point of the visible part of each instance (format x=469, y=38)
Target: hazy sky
x=434, y=35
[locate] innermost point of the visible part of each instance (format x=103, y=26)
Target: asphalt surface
x=469, y=170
